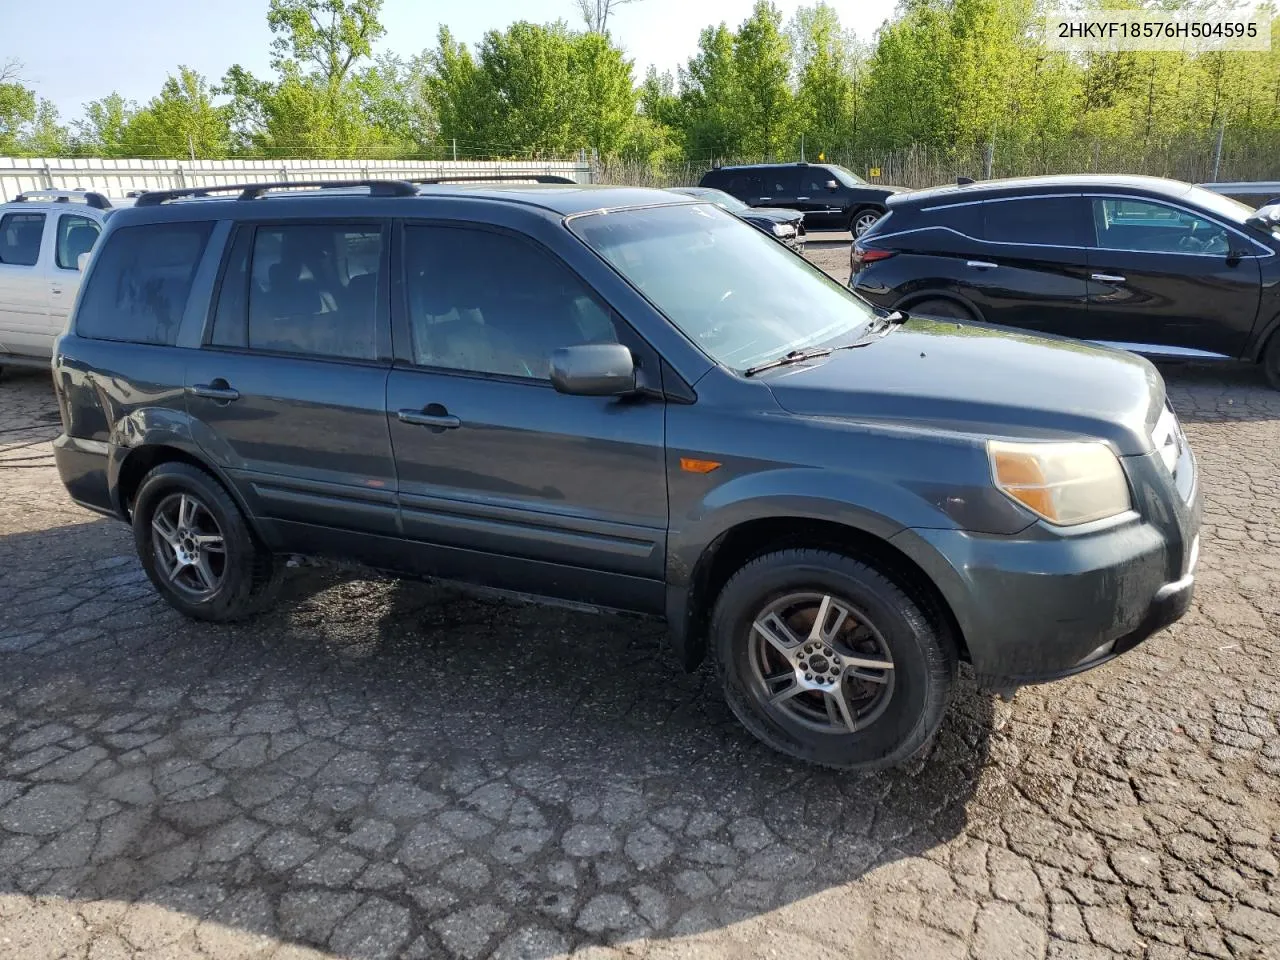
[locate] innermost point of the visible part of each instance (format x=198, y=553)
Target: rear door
x=1030, y=269
x=1166, y=280
x=24, y=287
x=289, y=387
x=502, y=479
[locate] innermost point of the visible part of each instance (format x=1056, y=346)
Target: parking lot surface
x=382, y=769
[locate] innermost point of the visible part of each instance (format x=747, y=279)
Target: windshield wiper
x=795, y=356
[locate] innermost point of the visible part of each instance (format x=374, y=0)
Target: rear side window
x=20, y=235
x=313, y=290
x=141, y=281
x=76, y=235
x=1049, y=221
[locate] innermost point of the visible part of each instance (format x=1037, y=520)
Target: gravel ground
x=381, y=769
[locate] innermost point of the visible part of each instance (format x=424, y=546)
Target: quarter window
x=141, y=280
x=313, y=290
x=76, y=235
x=490, y=303
x=1124, y=223
x=20, y=235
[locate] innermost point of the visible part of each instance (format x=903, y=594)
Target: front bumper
x=1045, y=605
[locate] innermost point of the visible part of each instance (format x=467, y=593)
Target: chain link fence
x=1238, y=156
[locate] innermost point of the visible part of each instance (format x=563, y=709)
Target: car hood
x=772, y=214
x=981, y=379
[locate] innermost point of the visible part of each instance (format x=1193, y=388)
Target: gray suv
x=624, y=399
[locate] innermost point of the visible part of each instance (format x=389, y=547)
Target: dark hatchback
x=624, y=399
x=829, y=196
x=1155, y=266
x=786, y=226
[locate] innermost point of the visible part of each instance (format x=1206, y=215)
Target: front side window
x=140, y=282
x=312, y=290
x=491, y=303
x=1045, y=221
x=20, y=235
x=76, y=235
x=743, y=298
x=1127, y=223
x=847, y=177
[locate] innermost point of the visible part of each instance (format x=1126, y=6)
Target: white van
x=45, y=236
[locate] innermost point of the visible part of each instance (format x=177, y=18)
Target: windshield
x=738, y=294
x=718, y=197
x=847, y=177
x=1225, y=207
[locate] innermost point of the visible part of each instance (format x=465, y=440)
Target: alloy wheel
x=821, y=663
x=190, y=550
x=862, y=223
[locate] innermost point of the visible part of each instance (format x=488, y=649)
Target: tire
x=912, y=696
x=246, y=577
x=938, y=307
x=861, y=220
x=1271, y=361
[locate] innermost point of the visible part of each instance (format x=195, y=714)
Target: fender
x=1267, y=329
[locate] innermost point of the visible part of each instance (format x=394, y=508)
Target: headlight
x=1065, y=483
x=781, y=230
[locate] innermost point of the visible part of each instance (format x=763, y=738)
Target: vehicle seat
x=80, y=239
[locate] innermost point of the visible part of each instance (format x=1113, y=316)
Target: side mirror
x=594, y=370
x=82, y=261
x=832, y=186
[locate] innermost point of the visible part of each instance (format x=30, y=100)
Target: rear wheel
x=827, y=660
x=938, y=307
x=1271, y=361
x=862, y=220
x=197, y=548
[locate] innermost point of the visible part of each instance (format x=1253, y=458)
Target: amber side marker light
x=691, y=465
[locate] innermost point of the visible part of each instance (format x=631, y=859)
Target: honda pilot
x=633, y=401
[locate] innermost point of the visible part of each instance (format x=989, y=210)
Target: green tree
x=762, y=62
x=181, y=121
x=17, y=107
x=826, y=63
x=330, y=35
x=605, y=95
x=101, y=132
x=710, y=98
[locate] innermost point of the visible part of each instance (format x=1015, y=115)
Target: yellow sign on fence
x=873, y=172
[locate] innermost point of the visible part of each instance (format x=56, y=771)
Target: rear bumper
x=82, y=465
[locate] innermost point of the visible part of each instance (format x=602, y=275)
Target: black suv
x=621, y=398
x=1150, y=265
x=829, y=196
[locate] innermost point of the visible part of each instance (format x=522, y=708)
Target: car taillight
x=864, y=255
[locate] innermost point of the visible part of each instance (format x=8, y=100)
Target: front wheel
x=197, y=548
x=861, y=222
x=827, y=660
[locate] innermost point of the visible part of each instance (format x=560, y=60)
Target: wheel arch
x=136, y=462
x=689, y=606
x=920, y=296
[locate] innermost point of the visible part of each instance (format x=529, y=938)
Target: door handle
x=57, y=291
x=219, y=389
x=762, y=199
x=802, y=198
x=442, y=421
x=980, y=264
x=1108, y=278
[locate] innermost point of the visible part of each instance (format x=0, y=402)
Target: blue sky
x=143, y=40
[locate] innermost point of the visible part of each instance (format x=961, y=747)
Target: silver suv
x=45, y=237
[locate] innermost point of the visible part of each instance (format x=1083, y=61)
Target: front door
x=288, y=393
x=74, y=234
x=1166, y=281
x=502, y=480
x=822, y=206
x=24, y=287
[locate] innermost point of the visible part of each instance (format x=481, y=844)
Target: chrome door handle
x=762, y=199
x=444, y=421
x=1108, y=278
x=218, y=390
x=980, y=264
x=802, y=198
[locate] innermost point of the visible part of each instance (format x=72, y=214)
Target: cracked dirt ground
x=382, y=769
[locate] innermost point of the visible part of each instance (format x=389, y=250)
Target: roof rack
x=496, y=178
x=252, y=191
x=89, y=197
